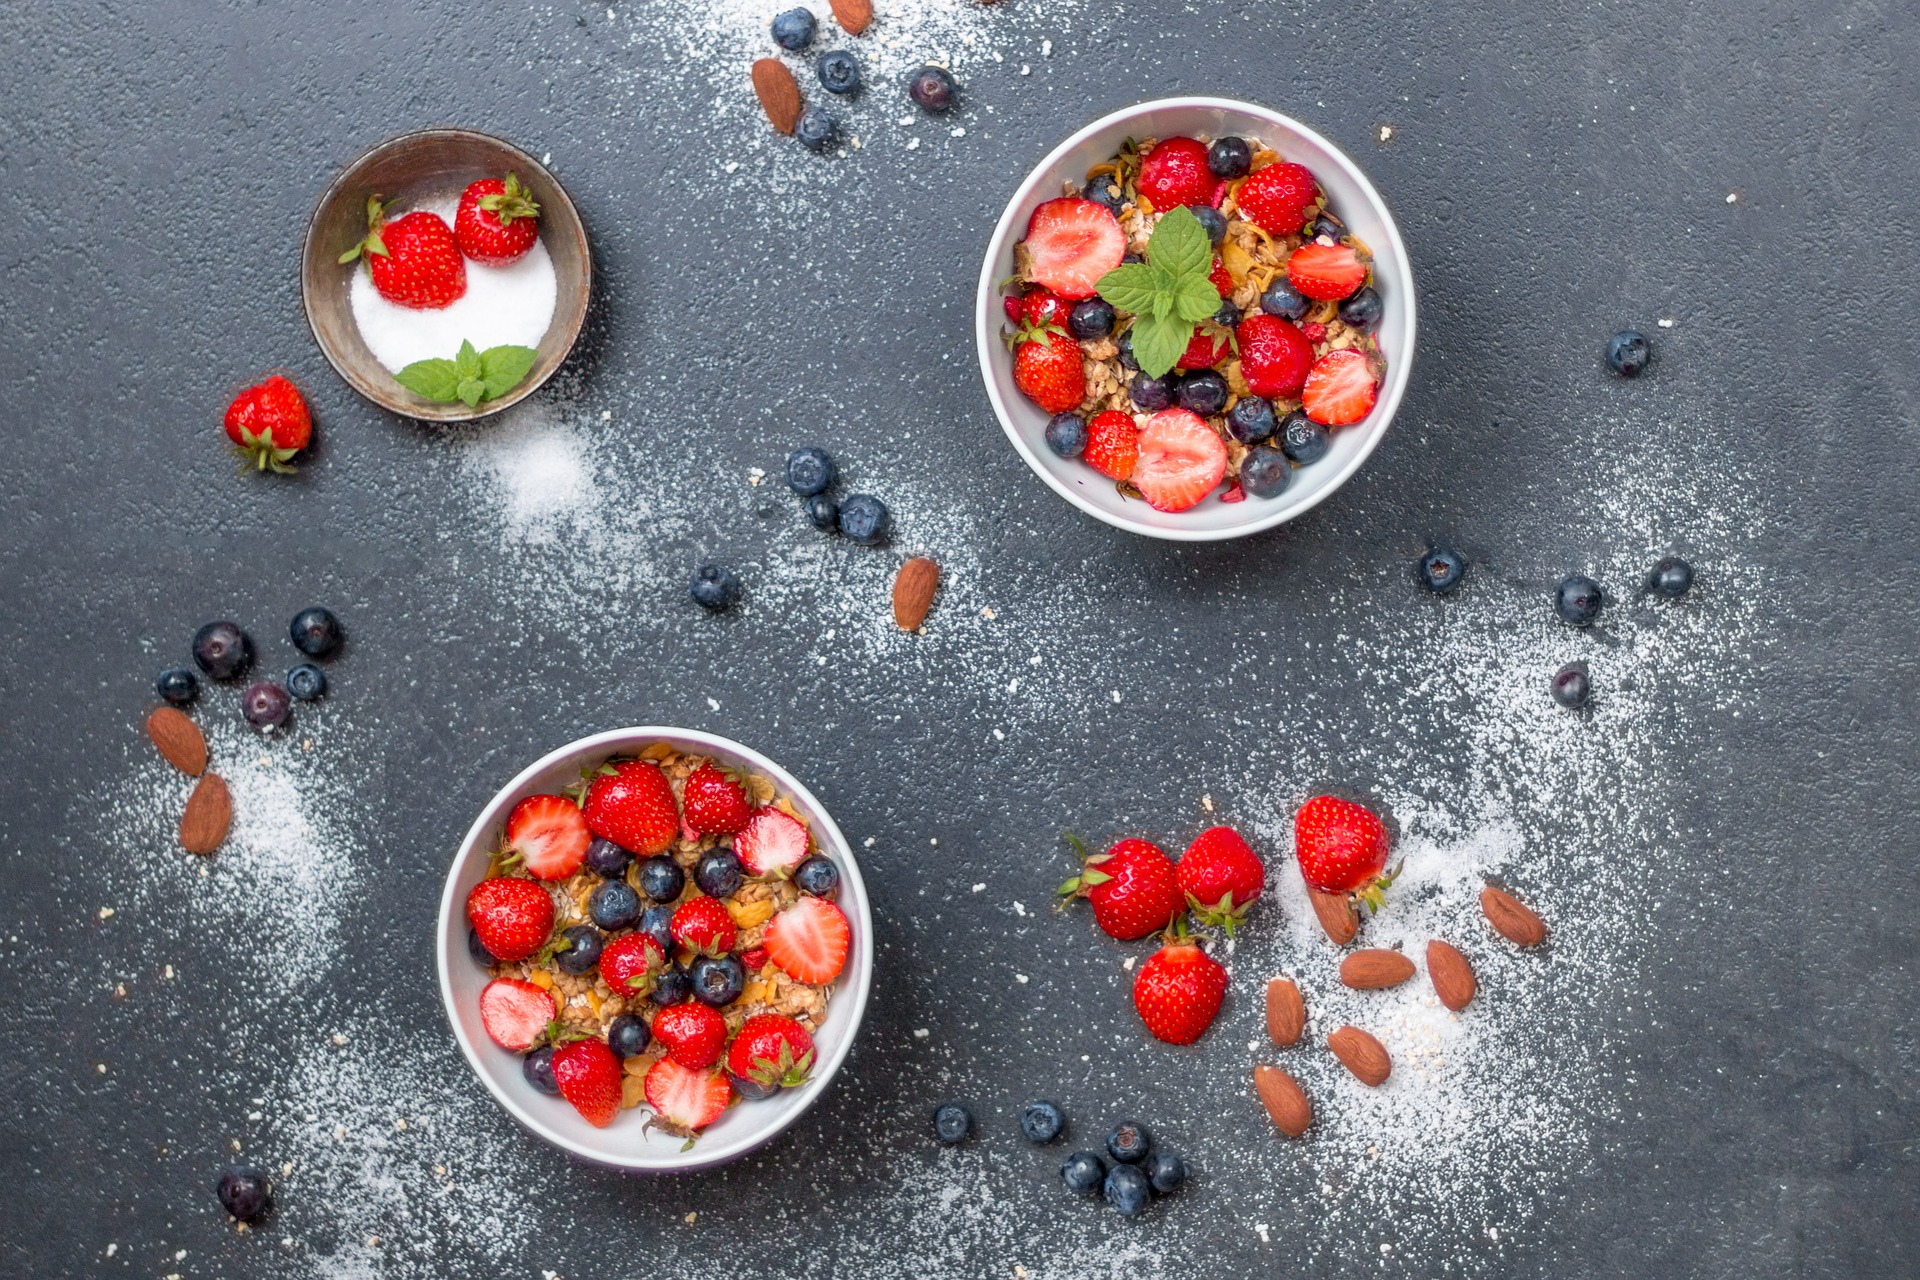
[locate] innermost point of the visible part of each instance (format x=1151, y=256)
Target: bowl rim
x=457, y=411
x=855, y=986
x=987, y=318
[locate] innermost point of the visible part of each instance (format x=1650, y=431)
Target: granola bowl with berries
x=655, y=949
x=1195, y=319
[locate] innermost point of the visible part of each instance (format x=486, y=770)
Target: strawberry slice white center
x=685, y=1099
x=1181, y=460
x=771, y=842
x=1072, y=243
x=515, y=1013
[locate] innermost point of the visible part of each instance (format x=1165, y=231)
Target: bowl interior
x=1351, y=197
x=626, y=1143
x=410, y=170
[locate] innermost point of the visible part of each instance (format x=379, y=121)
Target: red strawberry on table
x=547, y=835
x=496, y=221
x=1274, y=356
x=693, y=1033
x=1113, y=444
x=1277, y=198
x=1132, y=887
x=714, y=801
x=589, y=1077
x=1222, y=876
x=515, y=1013
x=1182, y=460
x=773, y=842
x=1340, y=389
x=1341, y=848
x=269, y=423
x=703, y=925
x=630, y=963
x=413, y=260
x=1328, y=272
x=1178, y=991
x=1072, y=243
x=1048, y=370
x=809, y=940
x=770, y=1051
x=1176, y=173
x=631, y=804
x=684, y=1101
x=513, y=917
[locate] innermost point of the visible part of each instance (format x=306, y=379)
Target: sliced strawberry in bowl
x=1181, y=460
x=548, y=836
x=685, y=1101
x=1072, y=243
x=515, y=1013
x=1113, y=444
x=809, y=940
x=589, y=1078
x=772, y=843
x=1328, y=272
x=1341, y=388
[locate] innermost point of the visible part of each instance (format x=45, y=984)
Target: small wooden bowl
x=425, y=165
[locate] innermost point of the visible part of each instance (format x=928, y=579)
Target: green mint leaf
x=435, y=380
x=502, y=368
x=1195, y=298
x=1131, y=287
x=467, y=360
x=473, y=391
x=1159, y=341
x=1179, y=245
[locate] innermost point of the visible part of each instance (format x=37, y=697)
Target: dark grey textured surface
x=1559, y=169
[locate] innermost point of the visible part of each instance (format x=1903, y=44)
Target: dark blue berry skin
x=1672, y=577
x=1203, y=392
x=306, y=682
x=478, y=950
x=952, y=1123
x=1577, y=599
x=1212, y=222
x=1303, y=439
x=717, y=980
x=1628, y=353
x=672, y=986
x=1166, y=1172
x=1251, y=420
x=1127, y=1190
x=1129, y=259
x=1066, y=434
x=932, y=89
x=1125, y=343
x=177, y=685
x=1102, y=191
x=608, y=859
x=1091, y=319
x=244, y=1192
x=1363, y=309
x=1150, y=395
x=817, y=876
x=628, y=1036
x=222, y=650
x=1440, y=570
x=1265, y=472
x=614, y=905
x=1325, y=224
x=1228, y=315
x=714, y=587
x=1083, y=1172
x=1283, y=300
x=718, y=873
x=315, y=632
x=810, y=471
x=1129, y=1141
x=265, y=705
x=864, y=519
x=838, y=71
x=816, y=130
x=823, y=511
x=750, y=1089
x=1229, y=157
x=1571, y=686
x=656, y=922
x=662, y=879
x=582, y=952
x=1042, y=1121
x=537, y=1067
x=793, y=30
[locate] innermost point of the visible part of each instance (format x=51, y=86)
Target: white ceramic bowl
x=626, y=1144
x=1352, y=199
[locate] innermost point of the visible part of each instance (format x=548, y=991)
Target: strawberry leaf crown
x=510, y=204
x=258, y=452
x=785, y=1072
x=1090, y=874
x=372, y=244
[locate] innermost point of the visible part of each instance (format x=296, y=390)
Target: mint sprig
x=1168, y=294
x=471, y=376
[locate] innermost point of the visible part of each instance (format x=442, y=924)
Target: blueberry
x=1125, y=343
x=1577, y=599
x=714, y=587
x=1103, y=191
x=816, y=129
x=817, y=876
x=823, y=511
x=608, y=859
x=306, y=682
x=1440, y=570
x=582, y=952
x=478, y=950
x=1228, y=315
x=718, y=980
x=1671, y=577
x=1128, y=1142
x=1229, y=157
x=537, y=1067
x=614, y=905
x=656, y=922
x=1325, y=224
x=1091, y=319
x=1066, y=434
x=1083, y=1173
x=718, y=873
x=315, y=632
x=1283, y=300
x=932, y=88
x=245, y=1192
x=1363, y=309
x=1166, y=1172
x=222, y=650
x=810, y=470
x=1150, y=395
x=177, y=685
x=662, y=879
x=1212, y=222
x=629, y=1035
x=1265, y=472
x=838, y=71
x=1571, y=687
x=1126, y=1190
x=1203, y=392
x=265, y=705
x=952, y=1122
x=1628, y=353
x=1042, y=1121
x=1251, y=420
x=1303, y=439
x=752, y=1090
x=793, y=30
x=864, y=519
x=672, y=986
x=1129, y=259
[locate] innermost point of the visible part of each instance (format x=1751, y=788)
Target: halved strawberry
x=1274, y=356
x=1181, y=460
x=1113, y=443
x=1340, y=389
x=693, y=1033
x=703, y=925
x=514, y=917
x=1176, y=173
x=633, y=807
x=772, y=842
x=1071, y=244
x=1326, y=271
x=1276, y=198
x=809, y=940
x=630, y=962
x=714, y=801
x=515, y=1013
x=589, y=1078
x=548, y=836
x=685, y=1101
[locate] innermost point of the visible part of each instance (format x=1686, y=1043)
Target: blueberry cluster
x=225, y=652
x=838, y=71
x=1136, y=1173
x=861, y=518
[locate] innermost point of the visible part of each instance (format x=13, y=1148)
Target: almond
x=1511, y=918
x=177, y=738
x=1286, y=1013
x=1451, y=975
x=209, y=812
x=779, y=93
x=913, y=589
x=853, y=15
x=1286, y=1103
x=1361, y=1054
x=1336, y=913
x=1374, y=968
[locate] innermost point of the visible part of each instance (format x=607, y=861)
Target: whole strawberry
x=693, y=1033
x=1178, y=991
x=1047, y=368
x=703, y=925
x=1274, y=356
x=1041, y=307
x=1176, y=173
x=269, y=423
x=770, y=1052
x=631, y=804
x=413, y=260
x=496, y=221
x=589, y=1078
x=1278, y=198
x=630, y=963
x=714, y=801
x=513, y=917
x=1133, y=887
x=1222, y=877
x=1341, y=848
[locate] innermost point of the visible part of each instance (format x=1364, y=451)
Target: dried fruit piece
x=179, y=740
x=779, y=93
x=1511, y=918
x=209, y=812
x=1336, y=914
x=913, y=589
x=1361, y=1054
x=1375, y=968
x=854, y=16
x=1451, y=975
x=1286, y=1013
x=1286, y=1103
